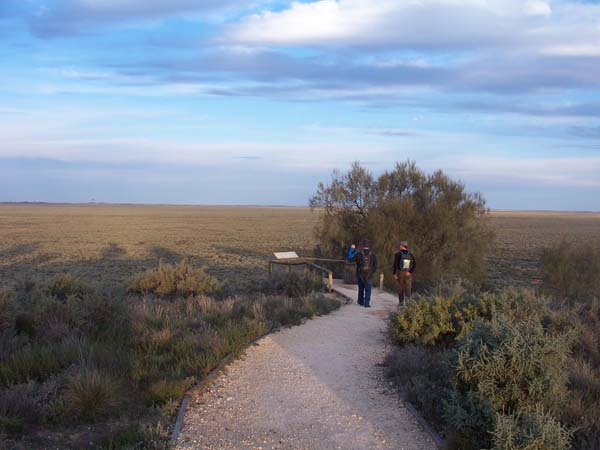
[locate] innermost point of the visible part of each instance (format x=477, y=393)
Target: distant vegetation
x=71, y=355
x=444, y=224
x=513, y=369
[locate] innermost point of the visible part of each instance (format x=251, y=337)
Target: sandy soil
x=316, y=386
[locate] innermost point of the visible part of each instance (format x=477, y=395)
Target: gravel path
x=315, y=386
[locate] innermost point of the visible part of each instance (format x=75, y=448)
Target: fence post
x=381, y=277
x=270, y=268
x=330, y=281
x=289, y=268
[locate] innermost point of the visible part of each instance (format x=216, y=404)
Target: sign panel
x=286, y=255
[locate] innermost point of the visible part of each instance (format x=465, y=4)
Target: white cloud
x=423, y=24
x=538, y=8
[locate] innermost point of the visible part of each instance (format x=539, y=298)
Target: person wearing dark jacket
x=366, y=265
x=404, y=266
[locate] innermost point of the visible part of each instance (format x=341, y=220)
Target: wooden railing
x=309, y=264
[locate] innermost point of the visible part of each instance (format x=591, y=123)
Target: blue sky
x=255, y=102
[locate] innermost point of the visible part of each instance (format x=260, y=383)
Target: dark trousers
x=364, y=291
x=404, y=285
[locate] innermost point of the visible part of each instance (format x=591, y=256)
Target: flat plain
x=109, y=244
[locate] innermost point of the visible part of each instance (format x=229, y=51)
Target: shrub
x=425, y=377
x=439, y=319
x=63, y=286
x=18, y=407
x=293, y=284
x=61, y=350
x=505, y=367
x=571, y=271
x=182, y=279
x=469, y=418
x=514, y=365
x=426, y=321
x=444, y=224
x=537, y=430
x=581, y=409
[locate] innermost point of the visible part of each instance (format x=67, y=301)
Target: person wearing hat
x=404, y=266
x=366, y=265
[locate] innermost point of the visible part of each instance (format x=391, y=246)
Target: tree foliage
x=444, y=224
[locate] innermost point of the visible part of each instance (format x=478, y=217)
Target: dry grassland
x=107, y=245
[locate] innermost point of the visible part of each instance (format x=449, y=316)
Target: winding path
x=316, y=386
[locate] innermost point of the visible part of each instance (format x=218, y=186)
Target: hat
x=404, y=244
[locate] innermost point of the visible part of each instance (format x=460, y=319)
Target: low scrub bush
x=581, y=409
x=70, y=354
x=536, y=430
x=425, y=375
x=63, y=286
x=18, y=407
x=292, y=284
x=572, y=272
x=513, y=368
x=440, y=319
x=529, y=364
x=180, y=280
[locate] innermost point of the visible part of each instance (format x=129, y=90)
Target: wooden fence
x=310, y=264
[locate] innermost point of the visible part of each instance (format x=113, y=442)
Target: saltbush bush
x=535, y=430
x=425, y=375
x=527, y=363
x=180, y=280
x=572, y=272
x=439, y=319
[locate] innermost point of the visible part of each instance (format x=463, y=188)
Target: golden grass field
x=108, y=244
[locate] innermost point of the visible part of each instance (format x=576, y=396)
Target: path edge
x=217, y=371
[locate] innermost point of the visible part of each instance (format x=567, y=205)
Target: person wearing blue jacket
x=366, y=265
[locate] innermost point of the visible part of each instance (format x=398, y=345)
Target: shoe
x=367, y=306
x=361, y=303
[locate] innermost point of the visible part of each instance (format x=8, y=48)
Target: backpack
x=365, y=266
x=405, y=261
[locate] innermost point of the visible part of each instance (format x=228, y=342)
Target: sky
x=255, y=102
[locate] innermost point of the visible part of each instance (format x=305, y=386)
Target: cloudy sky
x=254, y=102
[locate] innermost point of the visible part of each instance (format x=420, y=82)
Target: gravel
x=316, y=386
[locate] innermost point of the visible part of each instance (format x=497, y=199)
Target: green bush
x=572, y=272
x=536, y=430
x=528, y=364
x=180, y=280
x=441, y=318
x=425, y=378
x=506, y=367
x=469, y=418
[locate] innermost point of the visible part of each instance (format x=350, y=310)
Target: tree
x=445, y=225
